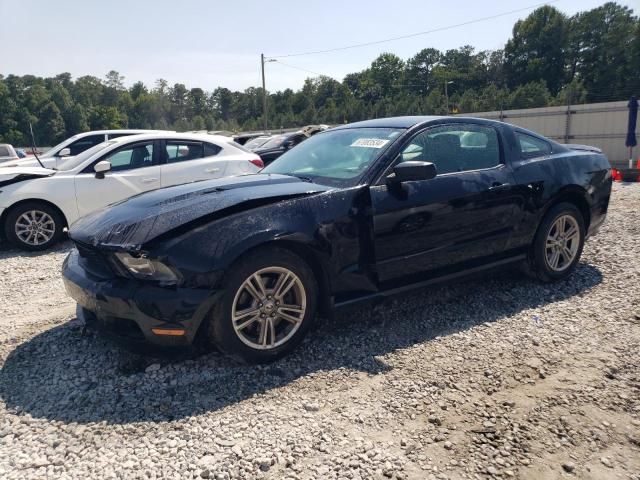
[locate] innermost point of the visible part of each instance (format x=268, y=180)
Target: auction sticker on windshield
x=370, y=142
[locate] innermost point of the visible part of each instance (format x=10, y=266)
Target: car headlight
x=146, y=268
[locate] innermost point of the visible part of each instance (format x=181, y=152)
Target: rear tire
x=558, y=243
x=268, y=306
x=33, y=226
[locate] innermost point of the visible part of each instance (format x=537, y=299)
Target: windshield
x=256, y=142
x=336, y=157
x=53, y=150
x=73, y=162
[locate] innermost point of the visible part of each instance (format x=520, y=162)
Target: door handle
x=497, y=186
x=212, y=170
x=149, y=180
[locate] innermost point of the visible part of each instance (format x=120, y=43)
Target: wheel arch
x=571, y=194
x=6, y=211
x=309, y=255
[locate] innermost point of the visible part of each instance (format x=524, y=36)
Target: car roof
x=173, y=135
x=120, y=130
x=392, y=122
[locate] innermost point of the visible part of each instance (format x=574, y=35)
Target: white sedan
x=36, y=204
x=72, y=146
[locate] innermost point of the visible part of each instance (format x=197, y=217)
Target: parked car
x=246, y=262
x=7, y=153
x=244, y=138
x=257, y=142
x=278, y=144
x=36, y=204
x=72, y=146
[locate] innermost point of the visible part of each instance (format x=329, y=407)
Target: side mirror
x=101, y=168
x=412, y=171
x=65, y=152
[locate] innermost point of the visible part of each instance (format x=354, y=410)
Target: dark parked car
x=277, y=145
x=244, y=138
x=256, y=143
x=355, y=213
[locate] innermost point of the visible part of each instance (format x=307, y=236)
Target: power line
x=402, y=37
x=303, y=69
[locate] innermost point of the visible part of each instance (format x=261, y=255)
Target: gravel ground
x=495, y=377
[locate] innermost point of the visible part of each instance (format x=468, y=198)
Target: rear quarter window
x=532, y=147
x=211, y=149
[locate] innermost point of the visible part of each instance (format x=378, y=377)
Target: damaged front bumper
x=135, y=310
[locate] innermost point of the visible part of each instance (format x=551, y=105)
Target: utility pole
x=567, y=125
x=446, y=91
x=264, y=94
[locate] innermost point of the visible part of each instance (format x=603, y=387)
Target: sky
x=207, y=43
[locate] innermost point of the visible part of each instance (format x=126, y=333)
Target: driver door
x=465, y=213
x=134, y=169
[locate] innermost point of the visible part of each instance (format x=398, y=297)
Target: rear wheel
x=33, y=226
x=267, y=308
x=558, y=243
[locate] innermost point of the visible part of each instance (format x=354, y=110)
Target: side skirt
x=425, y=283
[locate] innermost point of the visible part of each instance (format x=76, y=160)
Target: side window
x=181, y=151
x=130, y=157
x=85, y=143
x=211, y=150
x=4, y=151
x=455, y=148
x=532, y=147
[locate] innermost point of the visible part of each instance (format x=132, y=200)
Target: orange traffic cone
x=616, y=175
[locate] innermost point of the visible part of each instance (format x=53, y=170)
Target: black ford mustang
x=356, y=212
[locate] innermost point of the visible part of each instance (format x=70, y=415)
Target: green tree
x=418, y=75
x=537, y=49
x=530, y=95
x=51, y=123
x=387, y=73
x=76, y=120
x=602, y=51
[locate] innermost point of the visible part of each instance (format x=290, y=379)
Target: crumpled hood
x=132, y=223
x=11, y=175
x=29, y=161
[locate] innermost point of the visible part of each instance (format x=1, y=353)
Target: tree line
x=550, y=59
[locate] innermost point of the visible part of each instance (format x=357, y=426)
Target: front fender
x=216, y=245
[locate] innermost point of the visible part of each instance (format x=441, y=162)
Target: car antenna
x=33, y=146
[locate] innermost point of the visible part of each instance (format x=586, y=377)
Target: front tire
x=268, y=306
x=558, y=243
x=33, y=226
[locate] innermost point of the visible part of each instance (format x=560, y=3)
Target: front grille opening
x=123, y=327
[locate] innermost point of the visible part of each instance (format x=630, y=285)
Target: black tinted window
x=210, y=149
x=85, y=143
x=4, y=151
x=455, y=148
x=531, y=147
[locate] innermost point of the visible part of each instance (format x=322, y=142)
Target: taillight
x=257, y=162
